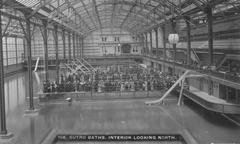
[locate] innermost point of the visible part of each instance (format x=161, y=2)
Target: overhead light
x=173, y=38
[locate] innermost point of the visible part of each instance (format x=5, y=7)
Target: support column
x=187, y=19
x=6, y=44
x=237, y=96
x=164, y=48
x=156, y=37
x=45, y=43
x=3, y=128
x=77, y=46
x=174, y=46
x=56, y=50
x=5, y=136
x=16, y=50
x=69, y=46
x=208, y=11
x=74, y=46
x=29, y=62
x=143, y=44
x=227, y=93
x=82, y=48
x=80, y=44
x=210, y=87
x=151, y=48
x=64, y=44
x=146, y=42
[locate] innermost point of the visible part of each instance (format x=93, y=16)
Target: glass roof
x=135, y=16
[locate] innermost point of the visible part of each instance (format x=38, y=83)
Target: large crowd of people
x=111, y=78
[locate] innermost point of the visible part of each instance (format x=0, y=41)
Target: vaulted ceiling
x=135, y=16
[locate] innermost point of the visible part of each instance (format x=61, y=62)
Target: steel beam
x=45, y=43
x=128, y=14
x=77, y=46
x=69, y=46
x=74, y=46
x=95, y=10
x=147, y=50
x=173, y=22
x=151, y=47
x=210, y=33
x=29, y=62
x=84, y=6
x=164, y=48
x=64, y=44
x=156, y=38
x=42, y=4
x=3, y=127
x=187, y=19
x=56, y=50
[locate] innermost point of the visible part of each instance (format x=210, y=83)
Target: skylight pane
x=29, y=3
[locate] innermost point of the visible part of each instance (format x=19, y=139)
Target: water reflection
x=14, y=91
x=32, y=130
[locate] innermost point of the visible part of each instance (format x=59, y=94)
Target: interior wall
x=226, y=35
x=95, y=45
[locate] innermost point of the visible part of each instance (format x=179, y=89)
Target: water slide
x=169, y=90
x=36, y=65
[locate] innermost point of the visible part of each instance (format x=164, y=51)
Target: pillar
x=210, y=87
x=74, y=46
x=237, y=96
x=69, y=46
x=56, y=50
x=3, y=129
x=6, y=50
x=16, y=50
x=164, y=48
x=77, y=46
x=151, y=48
x=227, y=93
x=156, y=37
x=82, y=47
x=187, y=19
x=29, y=63
x=45, y=43
x=208, y=11
x=4, y=134
x=173, y=21
x=146, y=42
x=64, y=44
x=141, y=44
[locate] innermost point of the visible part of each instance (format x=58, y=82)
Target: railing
x=217, y=107
x=82, y=95
x=224, y=76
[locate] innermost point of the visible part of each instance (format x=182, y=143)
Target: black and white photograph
x=120, y=72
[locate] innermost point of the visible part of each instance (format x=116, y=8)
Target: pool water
x=128, y=116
